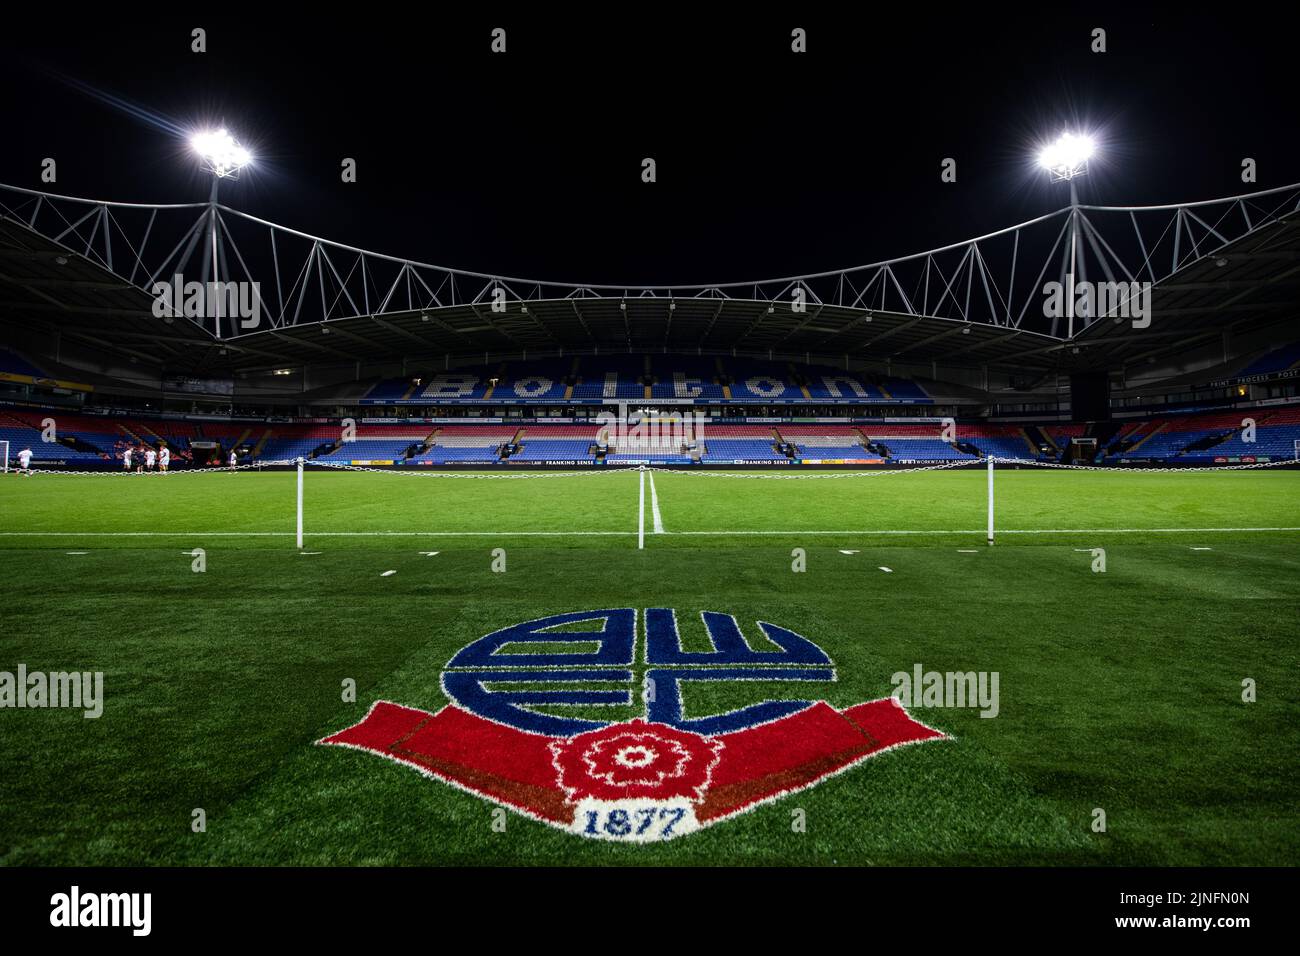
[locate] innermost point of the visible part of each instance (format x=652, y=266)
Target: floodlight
x=221, y=155
x=1067, y=157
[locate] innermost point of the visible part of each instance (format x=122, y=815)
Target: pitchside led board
x=651, y=778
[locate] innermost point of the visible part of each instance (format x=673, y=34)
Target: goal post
x=4, y=456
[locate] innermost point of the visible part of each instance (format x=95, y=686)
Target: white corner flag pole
x=640, y=521
x=990, y=459
x=300, y=503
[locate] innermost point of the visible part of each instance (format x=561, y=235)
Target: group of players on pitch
x=141, y=459
x=145, y=457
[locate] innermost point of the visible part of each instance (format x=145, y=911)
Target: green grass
x=1119, y=690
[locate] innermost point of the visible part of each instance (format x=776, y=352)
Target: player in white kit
x=234, y=459
x=149, y=457
x=164, y=458
x=25, y=461
x=126, y=458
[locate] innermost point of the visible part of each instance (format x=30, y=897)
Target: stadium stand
x=634, y=378
x=456, y=444
x=761, y=382
x=902, y=389
x=825, y=384
x=686, y=377
x=1278, y=360
x=556, y=443
x=1196, y=438
x=726, y=443
x=14, y=364
x=612, y=378
x=294, y=441
x=1207, y=436
x=533, y=382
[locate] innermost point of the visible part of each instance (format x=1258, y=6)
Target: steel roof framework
x=993, y=283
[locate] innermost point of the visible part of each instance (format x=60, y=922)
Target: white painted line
x=310, y=534
x=87, y=552
x=842, y=551
x=887, y=570
x=1202, y=549
x=1084, y=550
x=980, y=531
x=654, y=507
x=429, y=554
x=310, y=552
x=967, y=551
x=624, y=534
x=387, y=574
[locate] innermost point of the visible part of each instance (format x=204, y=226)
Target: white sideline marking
x=87, y=552
x=290, y=534
x=967, y=551
x=1085, y=550
x=887, y=570
x=429, y=554
x=654, y=507
x=842, y=551
x=388, y=574
x=1202, y=549
x=624, y=534
x=981, y=531
x=311, y=552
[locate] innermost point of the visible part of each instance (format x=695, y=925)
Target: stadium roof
x=83, y=269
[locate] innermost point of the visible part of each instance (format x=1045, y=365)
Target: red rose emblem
x=636, y=760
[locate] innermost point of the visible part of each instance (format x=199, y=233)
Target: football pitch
x=1143, y=630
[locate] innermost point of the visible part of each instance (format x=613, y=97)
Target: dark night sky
x=769, y=163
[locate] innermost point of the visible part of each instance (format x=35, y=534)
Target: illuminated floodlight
x=221, y=155
x=1067, y=157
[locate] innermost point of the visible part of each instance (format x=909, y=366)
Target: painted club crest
x=520, y=730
